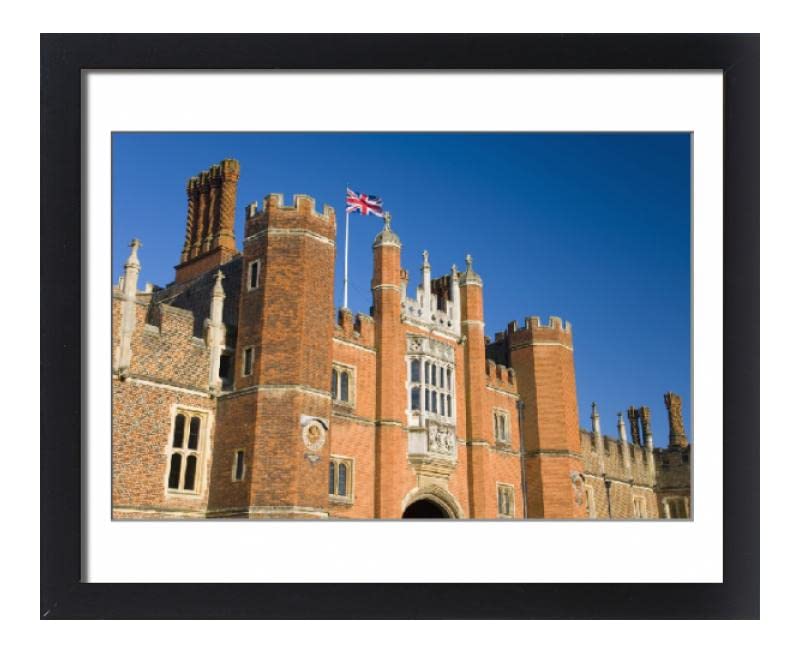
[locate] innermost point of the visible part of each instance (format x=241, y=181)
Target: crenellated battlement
x=609, y=459
x=500, y=376
x=300, y=204
x=534, y=331
x=359, y=330
x=300, y=216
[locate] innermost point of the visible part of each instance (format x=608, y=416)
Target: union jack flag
x=364, y=204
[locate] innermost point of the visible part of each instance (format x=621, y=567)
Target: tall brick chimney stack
x=677, y=433
x=633, y=417
x=209, y=240
x=229, y=179
x=647, y=430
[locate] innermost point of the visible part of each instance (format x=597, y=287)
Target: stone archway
x=425, y=508
x=433, y=499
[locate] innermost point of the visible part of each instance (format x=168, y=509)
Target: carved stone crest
x=441, y=440
x=313, y=432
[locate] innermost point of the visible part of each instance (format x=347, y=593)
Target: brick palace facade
x=237, y=393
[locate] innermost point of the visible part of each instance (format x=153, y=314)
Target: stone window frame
x=340, y=368
x=669, y=501
x=349, y=463
x=506, y=417
x=505, y=489
x=446, y=396
x=199, y=453
x=253, y=263
x=244, y=465
x=591, y=503
x=641, y=503
x=245, y=372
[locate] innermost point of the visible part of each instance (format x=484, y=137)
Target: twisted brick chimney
x=677, y=433
x=209, y=240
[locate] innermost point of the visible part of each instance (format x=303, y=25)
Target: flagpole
x=346, y=247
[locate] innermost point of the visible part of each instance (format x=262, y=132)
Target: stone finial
x=133, y=259
x=217, y=298
x=595, y=419
x=132, y=268
x=386, y=236
x=469, y=277
x=123, y=353
x=425, y=259
x=677, y=433
x=218, y=278
x=623, y=436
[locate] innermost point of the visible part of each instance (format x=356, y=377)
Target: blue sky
x=594, y=228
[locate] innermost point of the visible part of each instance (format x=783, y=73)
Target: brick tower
x=209, y=240
x=280, y=409
x=542, y=357
x=478, y=432
x=390, y=436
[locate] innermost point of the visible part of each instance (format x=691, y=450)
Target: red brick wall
x=353, y=426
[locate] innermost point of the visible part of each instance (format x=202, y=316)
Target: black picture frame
x=63, y=404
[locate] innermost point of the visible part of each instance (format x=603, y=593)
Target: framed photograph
x=304, y=338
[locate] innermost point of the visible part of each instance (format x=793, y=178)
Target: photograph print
x=401, y=325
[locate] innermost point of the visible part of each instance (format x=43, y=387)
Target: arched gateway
x=425, y=508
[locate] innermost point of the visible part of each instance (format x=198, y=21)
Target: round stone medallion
x=314, y=436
